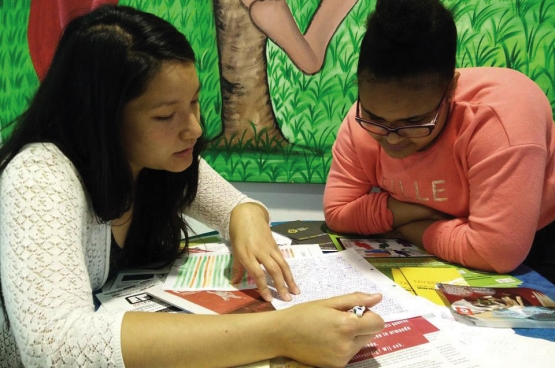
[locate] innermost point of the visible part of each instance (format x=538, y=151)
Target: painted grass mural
x=304, y=110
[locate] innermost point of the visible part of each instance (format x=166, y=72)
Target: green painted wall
x=518, y=34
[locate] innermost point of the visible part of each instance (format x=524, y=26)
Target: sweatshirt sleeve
x=351, y=202
x=45, y=280
x=215, y=200
x=504, y=210
x=506, y=166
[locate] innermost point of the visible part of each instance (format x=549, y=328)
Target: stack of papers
x=420, y=330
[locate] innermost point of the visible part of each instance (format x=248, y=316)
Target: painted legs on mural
x=307, y=52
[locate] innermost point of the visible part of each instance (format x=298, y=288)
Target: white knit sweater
x=54, y=254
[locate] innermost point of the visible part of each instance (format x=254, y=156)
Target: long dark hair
x=105, y=59
x=408, y=38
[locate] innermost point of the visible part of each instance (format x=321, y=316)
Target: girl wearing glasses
x=458, y=161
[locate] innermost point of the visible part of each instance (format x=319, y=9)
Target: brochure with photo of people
x=499, y=307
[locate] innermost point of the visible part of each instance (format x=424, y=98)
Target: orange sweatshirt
x=492, y=168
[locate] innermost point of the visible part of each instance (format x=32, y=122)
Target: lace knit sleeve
x=215, y=200
x=45, y=228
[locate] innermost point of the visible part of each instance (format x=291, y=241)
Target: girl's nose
x=191, y=128
x=393, y=138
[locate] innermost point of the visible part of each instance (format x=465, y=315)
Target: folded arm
x=504, y=211
x=505, y=185
x=506, y=193
x=350, y=203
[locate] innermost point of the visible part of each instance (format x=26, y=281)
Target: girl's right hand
x=324, y=333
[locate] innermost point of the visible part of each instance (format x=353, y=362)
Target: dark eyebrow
x=172, y=102
x=409, y=118
x=163, y=103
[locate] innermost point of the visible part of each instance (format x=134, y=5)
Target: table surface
x=529, y=278
x=532, y=279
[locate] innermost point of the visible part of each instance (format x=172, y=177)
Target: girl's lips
x=185, y=152
x=396, y=147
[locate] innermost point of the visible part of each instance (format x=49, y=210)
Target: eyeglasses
x=410, y=131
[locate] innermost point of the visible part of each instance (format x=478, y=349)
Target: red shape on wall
x=47, y=19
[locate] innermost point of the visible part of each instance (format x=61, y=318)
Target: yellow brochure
x=400, y=279
x=423, y=280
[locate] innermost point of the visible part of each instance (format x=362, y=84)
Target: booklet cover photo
x=499, y=307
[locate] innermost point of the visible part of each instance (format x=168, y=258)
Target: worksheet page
x=345, y=272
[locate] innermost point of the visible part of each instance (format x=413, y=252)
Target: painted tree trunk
x=247, y=113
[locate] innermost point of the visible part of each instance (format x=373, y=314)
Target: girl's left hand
x=253, y=246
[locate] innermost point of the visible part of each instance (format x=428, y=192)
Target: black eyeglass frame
x=399, y=130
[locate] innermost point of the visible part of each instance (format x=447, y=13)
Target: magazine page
x=499, y=307
x=412, y=342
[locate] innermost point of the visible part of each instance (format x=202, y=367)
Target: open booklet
x=408, y=340
x=499, y=307
x=319, y=276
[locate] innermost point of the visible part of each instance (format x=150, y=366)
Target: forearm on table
x=414, y=232
x=364, y=214
x=479, y=245
x=452, y=241
x=178, y=340
x=405, y=213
